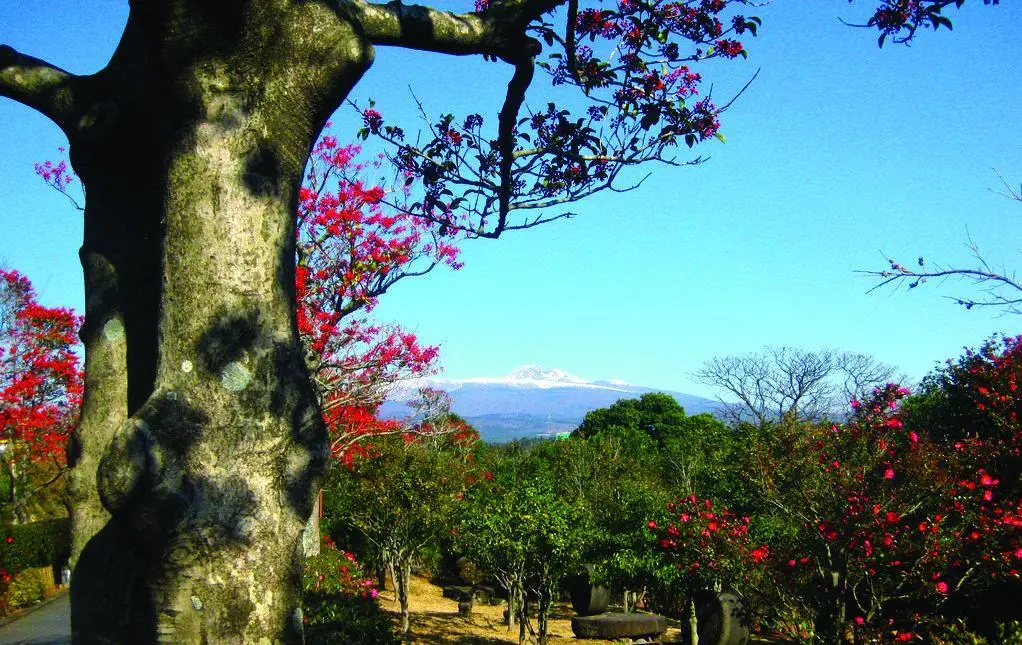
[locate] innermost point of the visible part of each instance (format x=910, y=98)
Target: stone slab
x=612, y=625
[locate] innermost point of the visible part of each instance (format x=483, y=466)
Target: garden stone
x=723, y=619
x=587, y=599
x=612, y=625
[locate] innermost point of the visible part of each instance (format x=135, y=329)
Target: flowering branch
x=644, y=101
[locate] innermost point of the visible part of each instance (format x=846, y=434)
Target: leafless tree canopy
x=791, y=383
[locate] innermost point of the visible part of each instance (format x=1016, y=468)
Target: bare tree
x=790, y=383
x=998, y=287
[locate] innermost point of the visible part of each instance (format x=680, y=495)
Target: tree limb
x=524, y=69
x=43, y=87
x=492, y=31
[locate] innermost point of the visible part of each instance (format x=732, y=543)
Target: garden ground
x=435, y=619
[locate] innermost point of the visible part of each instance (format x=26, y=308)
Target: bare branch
x=1001, y=288
x=790, y=383
x=1008, y=192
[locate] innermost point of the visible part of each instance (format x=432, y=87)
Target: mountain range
x=531, y=401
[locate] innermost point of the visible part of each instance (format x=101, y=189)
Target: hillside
x=531, y=401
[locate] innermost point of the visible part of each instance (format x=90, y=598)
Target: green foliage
x=403, y=499
x=656, y=415
x=339, y=601
x=28, y=587
x=523, y=533
x=39, y=544
x=518, y=522
x=340, y=620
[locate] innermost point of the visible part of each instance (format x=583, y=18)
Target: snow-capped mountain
x=531, y=401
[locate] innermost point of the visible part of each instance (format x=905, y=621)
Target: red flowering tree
x=889, y=525
x=352, y=247
x=40, y=392
x=973, y=406
x=698, y=548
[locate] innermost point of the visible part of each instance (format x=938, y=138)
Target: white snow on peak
x=537, y=373
x=525, y=376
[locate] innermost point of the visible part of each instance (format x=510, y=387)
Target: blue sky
x=838, y=152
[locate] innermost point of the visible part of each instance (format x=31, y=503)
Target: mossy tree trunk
x=200, y=442
x=200, y=439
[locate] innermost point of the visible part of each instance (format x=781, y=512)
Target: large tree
x=201, y=438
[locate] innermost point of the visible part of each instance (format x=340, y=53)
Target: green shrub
x=336, y=618
x=5, y=584
x=28, y=587
x=340, y=601
x=39, y=544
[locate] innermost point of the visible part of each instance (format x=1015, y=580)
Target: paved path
x=47, y=625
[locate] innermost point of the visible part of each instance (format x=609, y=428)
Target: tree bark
x=401, y=573
x=200, y=441
x=693, y=623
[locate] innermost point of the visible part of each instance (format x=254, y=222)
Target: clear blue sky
x=839, y=152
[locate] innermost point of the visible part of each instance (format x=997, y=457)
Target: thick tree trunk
x=199, y=430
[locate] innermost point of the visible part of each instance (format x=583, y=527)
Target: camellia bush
x=890, y=529
x=339, y=602
x=700, y=548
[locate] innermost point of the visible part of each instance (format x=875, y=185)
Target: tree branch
x=524, y=69
x=43, y=87
x=493, y=31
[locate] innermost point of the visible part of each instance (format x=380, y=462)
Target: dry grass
x=435, y=619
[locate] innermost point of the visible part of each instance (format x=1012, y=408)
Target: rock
x=612, y=626
x=586, y=598
x=459, y=593
x=486, y=594
x=723, y=619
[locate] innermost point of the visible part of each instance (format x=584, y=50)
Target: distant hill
x=532, y=401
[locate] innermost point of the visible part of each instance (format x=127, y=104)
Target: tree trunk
x=543, y=616
x=515, y=598
x=523, y=617
x=693, y=622
x=401, y=573
x=200, y=442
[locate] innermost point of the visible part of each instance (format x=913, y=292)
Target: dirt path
x=435, y=619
